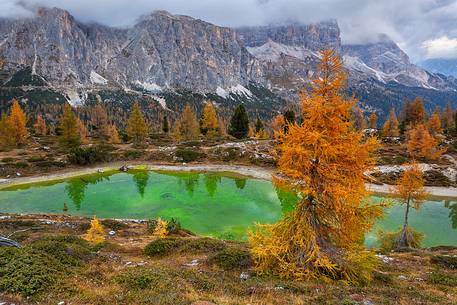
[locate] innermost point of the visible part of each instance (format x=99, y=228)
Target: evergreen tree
x=289, y=118
x=70, y=136
x=18, y=122
x=187, y=128
x=258, y=125
x=165, y=125
x=40, y=126
x=239, y=123
x=137, y=128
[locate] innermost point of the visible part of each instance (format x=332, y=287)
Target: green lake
x=221, y=205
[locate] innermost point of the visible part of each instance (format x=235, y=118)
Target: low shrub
x=231, y=258
x=441, y=278
x=113, y=224
x=36, y=159
x=49, y=163
x=88, y=155
x=133, y=154
x=173, y=226
x=161, y=247
x=189, y=155
x=388, y=240
x=446, y=261
x=139, y=278
x=21, y=164
x=68, y=250
x=8, y=160
x=205, y=244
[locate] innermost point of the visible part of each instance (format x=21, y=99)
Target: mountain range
x=166, y=60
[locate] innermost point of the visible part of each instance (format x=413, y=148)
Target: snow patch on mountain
x=97, y=79
x=151, y=87
x=272, y=51
x=221, y=92
x=74, y=99
x=238, y=90
x=162, y=102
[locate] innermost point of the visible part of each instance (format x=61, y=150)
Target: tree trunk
x=403, y=239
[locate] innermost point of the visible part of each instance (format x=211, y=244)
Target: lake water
x=221, y=205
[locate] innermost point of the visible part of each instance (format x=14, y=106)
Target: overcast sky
x=423, y=28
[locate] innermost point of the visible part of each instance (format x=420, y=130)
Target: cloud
x=443, y=47
x=410, y=23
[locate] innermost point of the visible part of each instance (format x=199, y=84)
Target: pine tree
x=100, y=122
x=40, y=126
x=258, y=125
x=324, y=160
x=165, y=125
x=434, y=123
x=390, y=128
x=239, y=123
x=137, y=130
x=187, y=128
x=18, y=122
x=70, y=136
x=421, y=144
x=113, y=135
x=410, y=190
x=373, y=120
x=209, y=124
x=6, y=130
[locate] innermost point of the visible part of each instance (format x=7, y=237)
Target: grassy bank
x=132, y=267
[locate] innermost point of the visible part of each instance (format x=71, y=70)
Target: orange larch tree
x=6, y=130
x=40, y=126
x=411, y=192
x=18, y=121
x=70, y=136
x=434, y=123
x=421, y=144
x=100, y=122
x=448, y=118
x=373, y=120
x=324, y=160
x=209, y=124
x=390, y=128
x=187, y=128
x=278, y=123
x=137, y=129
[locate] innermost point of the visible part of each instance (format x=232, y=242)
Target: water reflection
x=240, y=183
x=76, y=187
x=287, y=199
x=452, y=206
x=190, y=182
x=211, y=182
x=140, y=178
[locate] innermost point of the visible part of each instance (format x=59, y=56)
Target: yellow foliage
x=161, y=229
x=113, y=135
x=137, y=128
x=373, y=119
x=390, y=128
x=95, y=234
x=40, y=126
x=82, y=130
x=209, y=122
x=421, y=144
x=434, y=123
x=187, y=128
x=70, y=136
x=324, y=160
x=278, y=123
x=448, y=118
x=100, y=122
x=18, y=122
x=6, y=130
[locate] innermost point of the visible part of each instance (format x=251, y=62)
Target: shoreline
x=251, y=171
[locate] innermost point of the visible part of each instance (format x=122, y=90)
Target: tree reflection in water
x=76, y=187
x=452, y=206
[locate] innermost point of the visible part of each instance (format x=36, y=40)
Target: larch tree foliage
x=413, y=113
x=82, y=130
x=209, y=124
x=421, y=144
x=18, y=121
x=358, y=118
x=277, y=124
x=373, y=120
x=187, y=127
x=100, y=122
x=259, y=129
x=239, y=123
x=70, y=136
x=434, y=123
x=40, y=126
x=323, y=160
x=448, y=118
x=114, y=135
x=137, y=129
x=6, y=130
x=390, y=128
x=411, y=192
